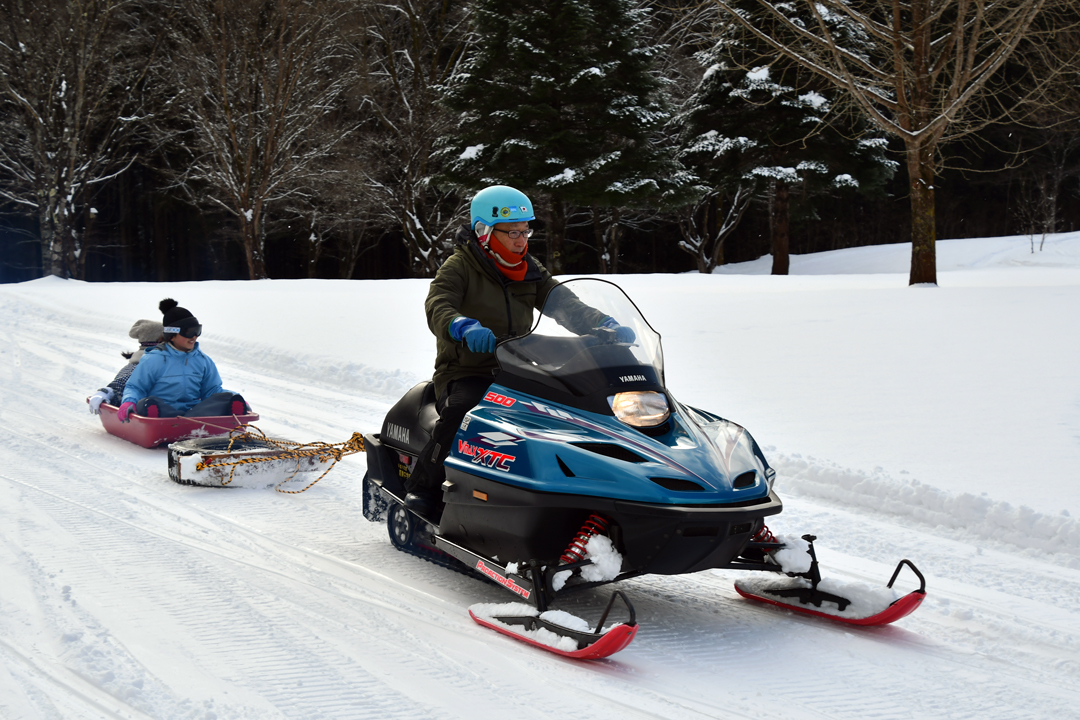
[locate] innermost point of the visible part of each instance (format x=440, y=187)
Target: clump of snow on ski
x=866, y=600
x=606, y=560
x=611, y=640
x=794, y=557
x=566, y=620
x=487, y=614
x=606, y=563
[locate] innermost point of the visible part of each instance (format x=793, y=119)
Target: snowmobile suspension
x=764, y=535
x=575, y=552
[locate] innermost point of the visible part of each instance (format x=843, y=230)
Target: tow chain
x=288, y=450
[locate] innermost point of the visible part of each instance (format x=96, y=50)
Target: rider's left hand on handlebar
x=623, y=334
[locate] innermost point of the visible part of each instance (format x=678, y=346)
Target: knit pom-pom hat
x=175, y=318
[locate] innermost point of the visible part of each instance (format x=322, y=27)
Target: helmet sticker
x=495, y=211
x=505, y=212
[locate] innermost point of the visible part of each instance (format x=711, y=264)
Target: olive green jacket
x=469, y=284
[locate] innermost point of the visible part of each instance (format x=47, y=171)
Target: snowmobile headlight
x=640, y=408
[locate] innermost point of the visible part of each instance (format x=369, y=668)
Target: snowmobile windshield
x=590, y=340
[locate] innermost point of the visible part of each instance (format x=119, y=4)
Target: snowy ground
x=939, y=424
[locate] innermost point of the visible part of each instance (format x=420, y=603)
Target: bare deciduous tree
x=71, y=95
x=257, y=80
x=706, y=225
x=915, y=68
x=1048, y=131
x=411, y=47
x=338, y=212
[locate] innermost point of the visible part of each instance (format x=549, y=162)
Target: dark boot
x=423, y=505
x=423, y=496
x=424, y=486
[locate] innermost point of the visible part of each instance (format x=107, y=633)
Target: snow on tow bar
x=248, y=458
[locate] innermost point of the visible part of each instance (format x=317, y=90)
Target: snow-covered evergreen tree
x=558, y=99
x=765, y=132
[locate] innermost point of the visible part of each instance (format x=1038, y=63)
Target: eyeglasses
x=515, y=234
x=192, y=332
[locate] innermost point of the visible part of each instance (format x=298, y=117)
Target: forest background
x=178, y=140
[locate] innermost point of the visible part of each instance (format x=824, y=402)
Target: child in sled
x=176, y=377
x=149, y=334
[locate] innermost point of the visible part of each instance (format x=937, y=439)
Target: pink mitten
x=124, y=411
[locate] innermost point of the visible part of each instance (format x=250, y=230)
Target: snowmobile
x=579, y=468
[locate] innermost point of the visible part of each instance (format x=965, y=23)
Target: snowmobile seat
x=408, y=425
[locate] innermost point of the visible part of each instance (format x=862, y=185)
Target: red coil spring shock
x=764, y=535
x=575, y=552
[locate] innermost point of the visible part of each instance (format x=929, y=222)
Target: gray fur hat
x=146, y=331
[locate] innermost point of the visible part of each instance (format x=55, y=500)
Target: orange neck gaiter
x=511, y=265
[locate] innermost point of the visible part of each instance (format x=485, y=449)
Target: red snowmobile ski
x=804, y=593
x=151, y=432
x=522, y=622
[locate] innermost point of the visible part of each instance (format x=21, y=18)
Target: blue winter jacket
x=181, y=379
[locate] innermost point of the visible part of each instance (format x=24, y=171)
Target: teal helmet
x=501, y=203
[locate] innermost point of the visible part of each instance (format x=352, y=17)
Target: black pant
x=213, y=406
x=460, y=397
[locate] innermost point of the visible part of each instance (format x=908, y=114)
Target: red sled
x=599, y=646
x=899, y=608
x=151, y=432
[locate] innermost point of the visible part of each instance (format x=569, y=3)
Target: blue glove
x=623, y=334
x=479, y=339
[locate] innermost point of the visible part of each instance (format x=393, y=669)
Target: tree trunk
x=613, y=245
x=716, y=258
x=347, y=266
x=314, y=248
x=84, y=242
x=249, y=232
x=598, y=238
x=920, y=161
x=556, y=236
x=52, y=252
x=780, y=228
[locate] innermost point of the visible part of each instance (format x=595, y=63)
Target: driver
x=487, y=289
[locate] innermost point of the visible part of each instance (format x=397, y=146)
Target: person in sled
x=486, y=290
x=176, y=377
x=149, y=334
